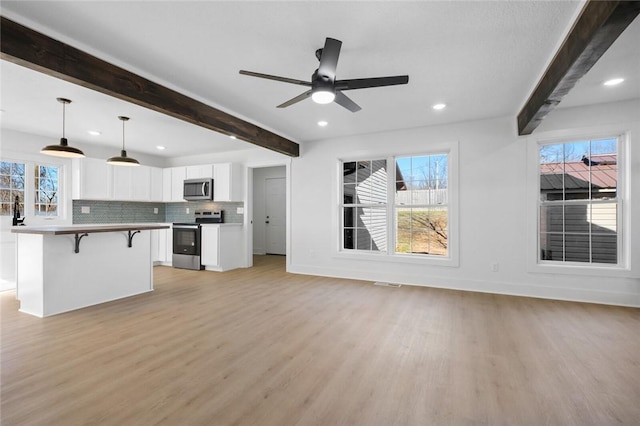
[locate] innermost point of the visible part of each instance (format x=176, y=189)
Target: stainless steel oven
x=187, y=246
x=187, y=240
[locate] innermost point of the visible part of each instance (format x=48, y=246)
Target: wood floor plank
x=263, y=347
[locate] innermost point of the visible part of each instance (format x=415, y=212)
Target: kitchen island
x=62, y=268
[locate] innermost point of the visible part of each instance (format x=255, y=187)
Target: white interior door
x=275, y=217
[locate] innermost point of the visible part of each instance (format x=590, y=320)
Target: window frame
x=451, y=260
x=64, y=189
x=588, y=203
x=11, y=189
x=536, y=265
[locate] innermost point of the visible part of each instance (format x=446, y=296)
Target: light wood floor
x=262, y=347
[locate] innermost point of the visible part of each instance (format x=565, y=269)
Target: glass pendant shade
x=63, y=149
x=122, y=159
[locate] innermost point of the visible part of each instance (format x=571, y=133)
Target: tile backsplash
x=92, y=211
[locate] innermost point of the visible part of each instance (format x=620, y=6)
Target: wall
x=495, y=209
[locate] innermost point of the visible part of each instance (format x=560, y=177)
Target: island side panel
x=105, y=269
x=29, y=273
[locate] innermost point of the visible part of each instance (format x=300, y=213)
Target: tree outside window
x=46, y=190
x=12, y=179
x=421, y=205
x=418, y=202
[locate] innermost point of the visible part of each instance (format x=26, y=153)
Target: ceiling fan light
x=123, y=160
x=323, y=96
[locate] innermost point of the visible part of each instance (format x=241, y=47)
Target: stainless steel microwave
x=198, y=189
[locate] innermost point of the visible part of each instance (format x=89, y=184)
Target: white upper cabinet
x=227, y=182
x=198, y=172
x=94, y=179
x=91, y=179
x=157, y=180
x=178, y=175
x=122, y=183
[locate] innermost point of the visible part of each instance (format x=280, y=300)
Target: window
x=46, y=190
x=364, y=209
x=579, y=202
x=12, y=179
x=421, y=212
x=407, y=214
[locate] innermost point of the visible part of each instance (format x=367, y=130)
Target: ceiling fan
x=324, y=86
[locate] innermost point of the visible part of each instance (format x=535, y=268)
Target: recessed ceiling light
x=233, y=137
x=160, y=147
x=94, y=132
x=439, y=106
x=322, y=123
x=613, y=82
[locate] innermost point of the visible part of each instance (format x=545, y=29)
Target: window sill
x=398, y=258
x=603, y=271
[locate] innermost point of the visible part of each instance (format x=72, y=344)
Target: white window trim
x=534, y=264
x=451, y=260
x=64, y=188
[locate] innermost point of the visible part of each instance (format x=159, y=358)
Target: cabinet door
x=141, y=183
x=91, y=179
x=227, y=182
x=121, y=183
x=166, y=185
x=157, y=181
x=197, y=172
x=155, y=244
x=178, y=175
x=210, y=245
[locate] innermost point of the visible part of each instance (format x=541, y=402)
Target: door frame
x=249, y=208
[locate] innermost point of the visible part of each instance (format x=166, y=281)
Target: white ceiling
x=480, y=58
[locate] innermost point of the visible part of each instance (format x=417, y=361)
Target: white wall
x=494, y=212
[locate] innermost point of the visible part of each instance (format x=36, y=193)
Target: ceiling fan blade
x=275, y=77
x=363, y=83
x=295, y=100
x=329, y=58
x=345, y=101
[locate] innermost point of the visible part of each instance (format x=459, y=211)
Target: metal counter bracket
x=78, y=238
x=131, y=237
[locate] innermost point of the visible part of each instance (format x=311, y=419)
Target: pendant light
x=122, y=159
x=63, y=149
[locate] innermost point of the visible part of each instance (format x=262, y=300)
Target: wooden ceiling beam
x=34, y=50
x=598, y=26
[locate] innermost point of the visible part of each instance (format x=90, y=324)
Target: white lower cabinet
x=222, y=247
x=162, y=246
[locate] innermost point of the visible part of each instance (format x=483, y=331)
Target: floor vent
x=386, y=284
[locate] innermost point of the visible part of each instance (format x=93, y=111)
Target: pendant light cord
x=63, y=117
x=123, y=134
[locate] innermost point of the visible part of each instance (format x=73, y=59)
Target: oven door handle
x=186, y=226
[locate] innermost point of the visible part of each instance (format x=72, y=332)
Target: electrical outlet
x=155, y=210
x=187, y=210
x=240, y=210
x=85, y=209
x=495, y=267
